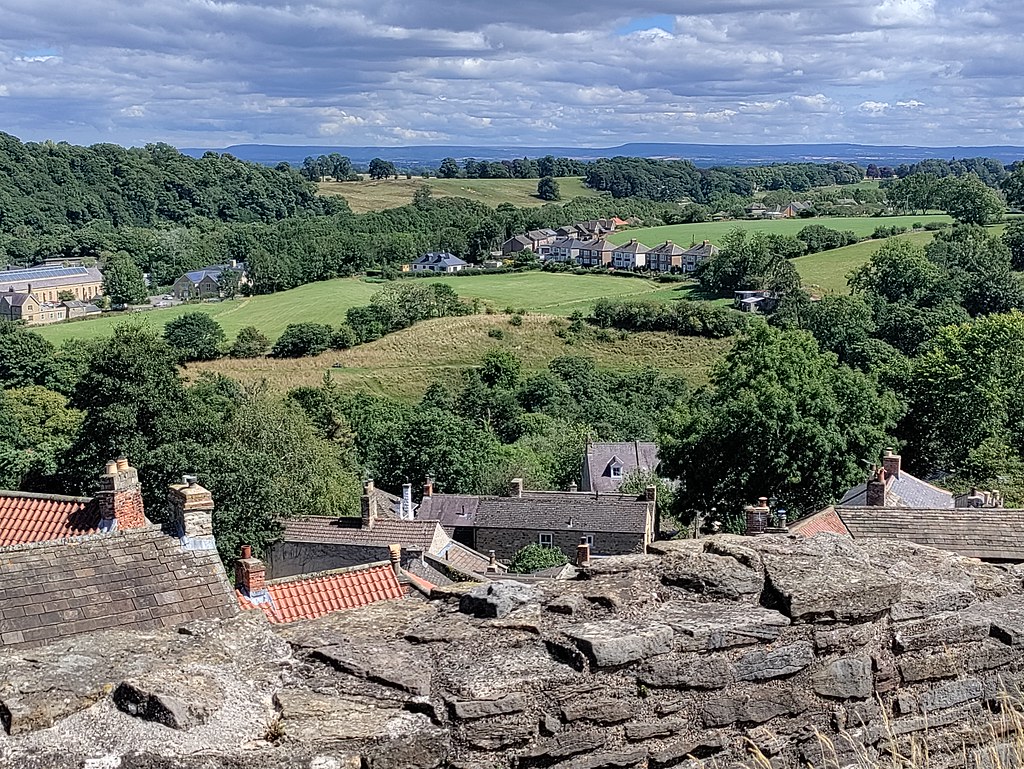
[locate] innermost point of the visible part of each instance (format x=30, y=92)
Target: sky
x=205, y=73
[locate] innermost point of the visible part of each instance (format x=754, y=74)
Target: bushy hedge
x=682, y=317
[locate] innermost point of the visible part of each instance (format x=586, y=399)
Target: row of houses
x=666, y=257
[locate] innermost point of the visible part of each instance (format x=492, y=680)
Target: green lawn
x=687, y=234
x=826, y=271
x=390, y=193
x=326, y=302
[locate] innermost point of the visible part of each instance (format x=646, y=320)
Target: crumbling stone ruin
x=805, y=651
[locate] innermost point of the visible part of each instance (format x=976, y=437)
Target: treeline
x=48, y=186
x=679, y=317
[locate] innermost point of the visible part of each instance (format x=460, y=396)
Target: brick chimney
x=757, y=517
x=428, y=488
x=367, y=507
x=120, y=497
x=395, y=553
x=876, y=488
x=891, y=463
x=250, y=574
x=191, y=512
x=583, y=553
x=516, y=487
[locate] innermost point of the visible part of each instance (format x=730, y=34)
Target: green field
x=687, y=234
x=326, y=302
x=403, y=364
x=826, y=271
x=390, y=193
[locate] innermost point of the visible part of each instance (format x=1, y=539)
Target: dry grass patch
x=405, y=363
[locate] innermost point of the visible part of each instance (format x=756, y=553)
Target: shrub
x=496, y=333
x=302, y=339
x=250, y=343
x=534, y=558
x=344, y=337
x=516, y=320
x=195, y=335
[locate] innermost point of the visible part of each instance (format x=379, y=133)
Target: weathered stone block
x=397, y=665
x=653, y=730
x=600, y=711
x=927, y=665
x=754, y=707
x=496, y=599
x=498, y=733
x=940, y=697
x=699, y=629
x=845, y=678
x=991, y=654
x=687, y=671
x=833, y=638
x=812, y=587
x=615, y=643
x=941, y=630
x=470, y=709
x=680, y=750
x=136, y=700
x=763, y=664
x=612, y=760
x=712, y=575
x=562, y=746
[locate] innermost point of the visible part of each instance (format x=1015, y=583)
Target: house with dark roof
x=320, y=543
x=893, y=504
x=606, y=465
x=630, y=256
x=442, y=262
x=28, y=308
x=205, y=283
x=696, y=255
x=595, y=253
x=610, y=523
x=73, y=565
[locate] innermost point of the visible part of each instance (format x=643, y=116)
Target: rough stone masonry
x=703, y=653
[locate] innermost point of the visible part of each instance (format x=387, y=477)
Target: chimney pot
x=583, y=553
x=650, y=493
x=250, y=576
x=428, y=488
x=573, y=487
x=395, y=552
x=122, y=463
x=246, y=552
x=120, y=497
x=406, y=504
x=757, y=518
x=492, y=562
x=891, y=462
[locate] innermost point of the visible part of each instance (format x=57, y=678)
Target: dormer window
x=615, y=471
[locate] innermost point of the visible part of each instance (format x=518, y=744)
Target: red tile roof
x=826, y=520
x=42, y=517
x=311, y=597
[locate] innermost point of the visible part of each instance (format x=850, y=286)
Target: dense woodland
x=922, y=355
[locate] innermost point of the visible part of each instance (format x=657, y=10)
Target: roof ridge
x=35, y=495
x=327, y=574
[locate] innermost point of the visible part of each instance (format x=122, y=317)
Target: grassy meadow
x=405, y=363
x=687, y=234
x=370, y=195
x=327, y=301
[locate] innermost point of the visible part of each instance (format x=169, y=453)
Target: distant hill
x=700, y=154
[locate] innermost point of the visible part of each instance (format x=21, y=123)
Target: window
x=545, y=539
x=587, y=539
x=616, y=471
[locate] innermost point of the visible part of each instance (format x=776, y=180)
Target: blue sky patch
x=665, y=22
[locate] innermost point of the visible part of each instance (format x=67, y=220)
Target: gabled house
x=666, y=257
x=206, y=282
x=795, y=209
x=564, y=250
x=15, y=306
x=440, y=262
x=73, y=565
x=696, y=255
x=516, y=244
x=630, y=256
x=610, y=524
x=606, y=465
x=595, y=253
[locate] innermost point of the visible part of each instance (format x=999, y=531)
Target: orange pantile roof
x=311, y=597
x=826, y=520
x=28, y=518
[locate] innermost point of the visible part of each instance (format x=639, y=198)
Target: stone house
x=74, y=565
x=206, y=282
x=611, y=524
x=606, y=465
x=47, y=283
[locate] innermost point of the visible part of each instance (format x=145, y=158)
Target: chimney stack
x=120, y=497
x=891, y=463
x=516, y=487
x=492, y=562
x=757, y=517
x=367, y=506
x=395, y=553
x=250, y=574
x=406, y=508
x=650, y=493
x=191, y=510
x=876, y=489
x=573, y=487
x=428, y=488
x=583, y=553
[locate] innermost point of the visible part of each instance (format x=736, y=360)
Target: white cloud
x=873, y=107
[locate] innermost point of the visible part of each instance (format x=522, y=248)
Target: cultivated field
x=390, y=193
x=405, y=363
x=326, y=302
x=687, y=234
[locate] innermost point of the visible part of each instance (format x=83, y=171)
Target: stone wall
x=507, y=542
x=287, y=559
x=803, y=651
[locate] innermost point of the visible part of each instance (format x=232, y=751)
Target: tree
x=547, y=189
x=779, y=418
x=422, y=196
x=381, y=169
x=1013, y=186
x=249, y=343
x=123, y=281
x=1013, y=238
x=533, y=558
x=979, y=269
x=449, y=169
x=25, y=357
x=752, y=262
x=228, y=282
x=195, y=335
x=968, y=200
x=66, y=296
x=302, y=339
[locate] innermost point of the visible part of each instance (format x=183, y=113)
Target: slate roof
x=668, y=248
x=450, y=510
x=309, y=597
x=564, y=510
x=28, y=518
x=443, y=259
x=903, y=490
x=632, y=247
x=14, y=299
x=411, y=535
x=134, y=578
x=702, y=250
x=994, y=534
x=633, y=455
x=461, y=558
